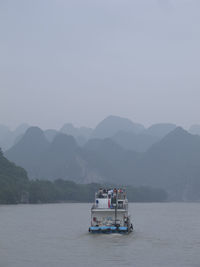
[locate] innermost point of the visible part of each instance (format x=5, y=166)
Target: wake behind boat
x=109, y=213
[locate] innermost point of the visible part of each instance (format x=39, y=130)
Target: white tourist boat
x=109, y=213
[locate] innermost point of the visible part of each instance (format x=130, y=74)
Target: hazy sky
x=79, y=61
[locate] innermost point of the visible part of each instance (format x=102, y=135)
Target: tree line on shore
x=15, y=187
x=64, y=191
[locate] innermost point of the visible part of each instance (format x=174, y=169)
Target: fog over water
x=79, y=61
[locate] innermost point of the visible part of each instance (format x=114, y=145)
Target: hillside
x=13, y=181
x=98, y=161
x=8, y=138
x=171, y=162
x=113, y=124
x=195, y=129
x=61, y=158
x=160, y=129
x=174, y=164
x=28, y=151
x=81, y=134
x=140, y=142
x=16, y=188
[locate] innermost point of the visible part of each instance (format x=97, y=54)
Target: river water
x=166, y=234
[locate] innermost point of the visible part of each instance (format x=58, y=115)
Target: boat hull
x=109, y=230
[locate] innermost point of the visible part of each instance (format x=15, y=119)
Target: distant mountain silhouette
x=81, y=134
x=63, y=144
x=8, y=138
x=65, y=159
x=138, y=142
x=57, y=158
x=69, y=129
x=21, y=129
x=174, y=164
x=112, y=161
x=195, y=129
x=50, y=134
x=113, y=124
x=62, y=158
x=171, y=162
x=160, y=129
x=4, y=130
x=5, y=137
x=105, y=146
x=28, y=150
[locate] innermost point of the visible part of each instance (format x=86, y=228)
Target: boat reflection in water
x=110, y=213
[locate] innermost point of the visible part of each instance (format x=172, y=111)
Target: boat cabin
x=110, y=209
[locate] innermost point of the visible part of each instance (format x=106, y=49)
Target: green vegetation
x=64, y=191
x=60, y=191
x=16, y=188
x=13, y=181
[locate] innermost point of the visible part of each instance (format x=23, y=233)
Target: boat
x=109, y=213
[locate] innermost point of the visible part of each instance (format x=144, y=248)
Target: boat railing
x=119, y=206
x=119, y=195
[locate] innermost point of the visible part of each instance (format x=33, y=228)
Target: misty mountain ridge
x=8, y=138
x=27, y=152
x=81, y=134
x=160, y=129
x=69, y=129
x=15, y=187
x=137, y=142
x=42, y=159
x=126, y=133
x=113, y=124
x=195, y=129
x=63, y=158
x=171, y=163
x=50, y=134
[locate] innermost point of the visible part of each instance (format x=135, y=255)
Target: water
x=166, y=234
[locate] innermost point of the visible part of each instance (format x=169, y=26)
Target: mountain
x=5, y=136
x=113, y=124
x=50, y=134
x=16, y=188
x=8, y=138
x=21, y=129
x=195, y=129
x=64, y=159
x=69, y=129
x=138, y=142
x=60, y=159
x=160, y=129
x=56, y=160
x=13, y=181
x=105, y=147
x=97, y=161
x=4, y=130
x=173, y=164
x=113, y=162
x=81, y=134
x=28, y=150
